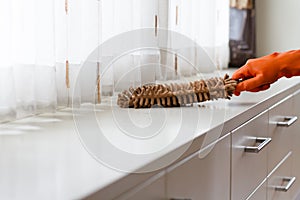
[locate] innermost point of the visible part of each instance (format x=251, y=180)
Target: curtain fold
x=44, y=44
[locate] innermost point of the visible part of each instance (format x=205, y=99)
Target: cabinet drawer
x=281, y=181
x=281, y=124
x=152, y=189
x=203, y=176
x=249, y=169
x=260, y=193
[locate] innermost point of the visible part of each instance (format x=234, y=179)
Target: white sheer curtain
x=44, y=43
x=27, y=66
x=206, y=22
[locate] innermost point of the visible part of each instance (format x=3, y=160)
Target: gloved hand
x=258, y=74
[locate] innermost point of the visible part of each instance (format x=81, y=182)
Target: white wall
x=278, y=25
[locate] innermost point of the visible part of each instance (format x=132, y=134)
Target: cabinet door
x=249, y=156
x=281, y=181
x=281, y=124
x=152, y=189
x=205, y=176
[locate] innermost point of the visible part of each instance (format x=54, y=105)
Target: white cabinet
x=296, y=147
x=152, y=189
x=259, y=160
x=282, y=124
x=256, y=173
x=203, y=176
x=249, y=157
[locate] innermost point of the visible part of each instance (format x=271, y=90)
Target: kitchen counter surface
x=57, y=156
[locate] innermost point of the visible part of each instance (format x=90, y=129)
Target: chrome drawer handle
x=288, y=121
x=290, y=180
x=263, y=142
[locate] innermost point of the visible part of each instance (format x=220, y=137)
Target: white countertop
x=51, y=156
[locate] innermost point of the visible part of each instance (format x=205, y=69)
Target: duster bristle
x=175, y=95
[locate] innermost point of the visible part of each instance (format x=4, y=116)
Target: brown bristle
x=175, y=95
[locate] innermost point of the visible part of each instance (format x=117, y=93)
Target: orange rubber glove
x=258, y=74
